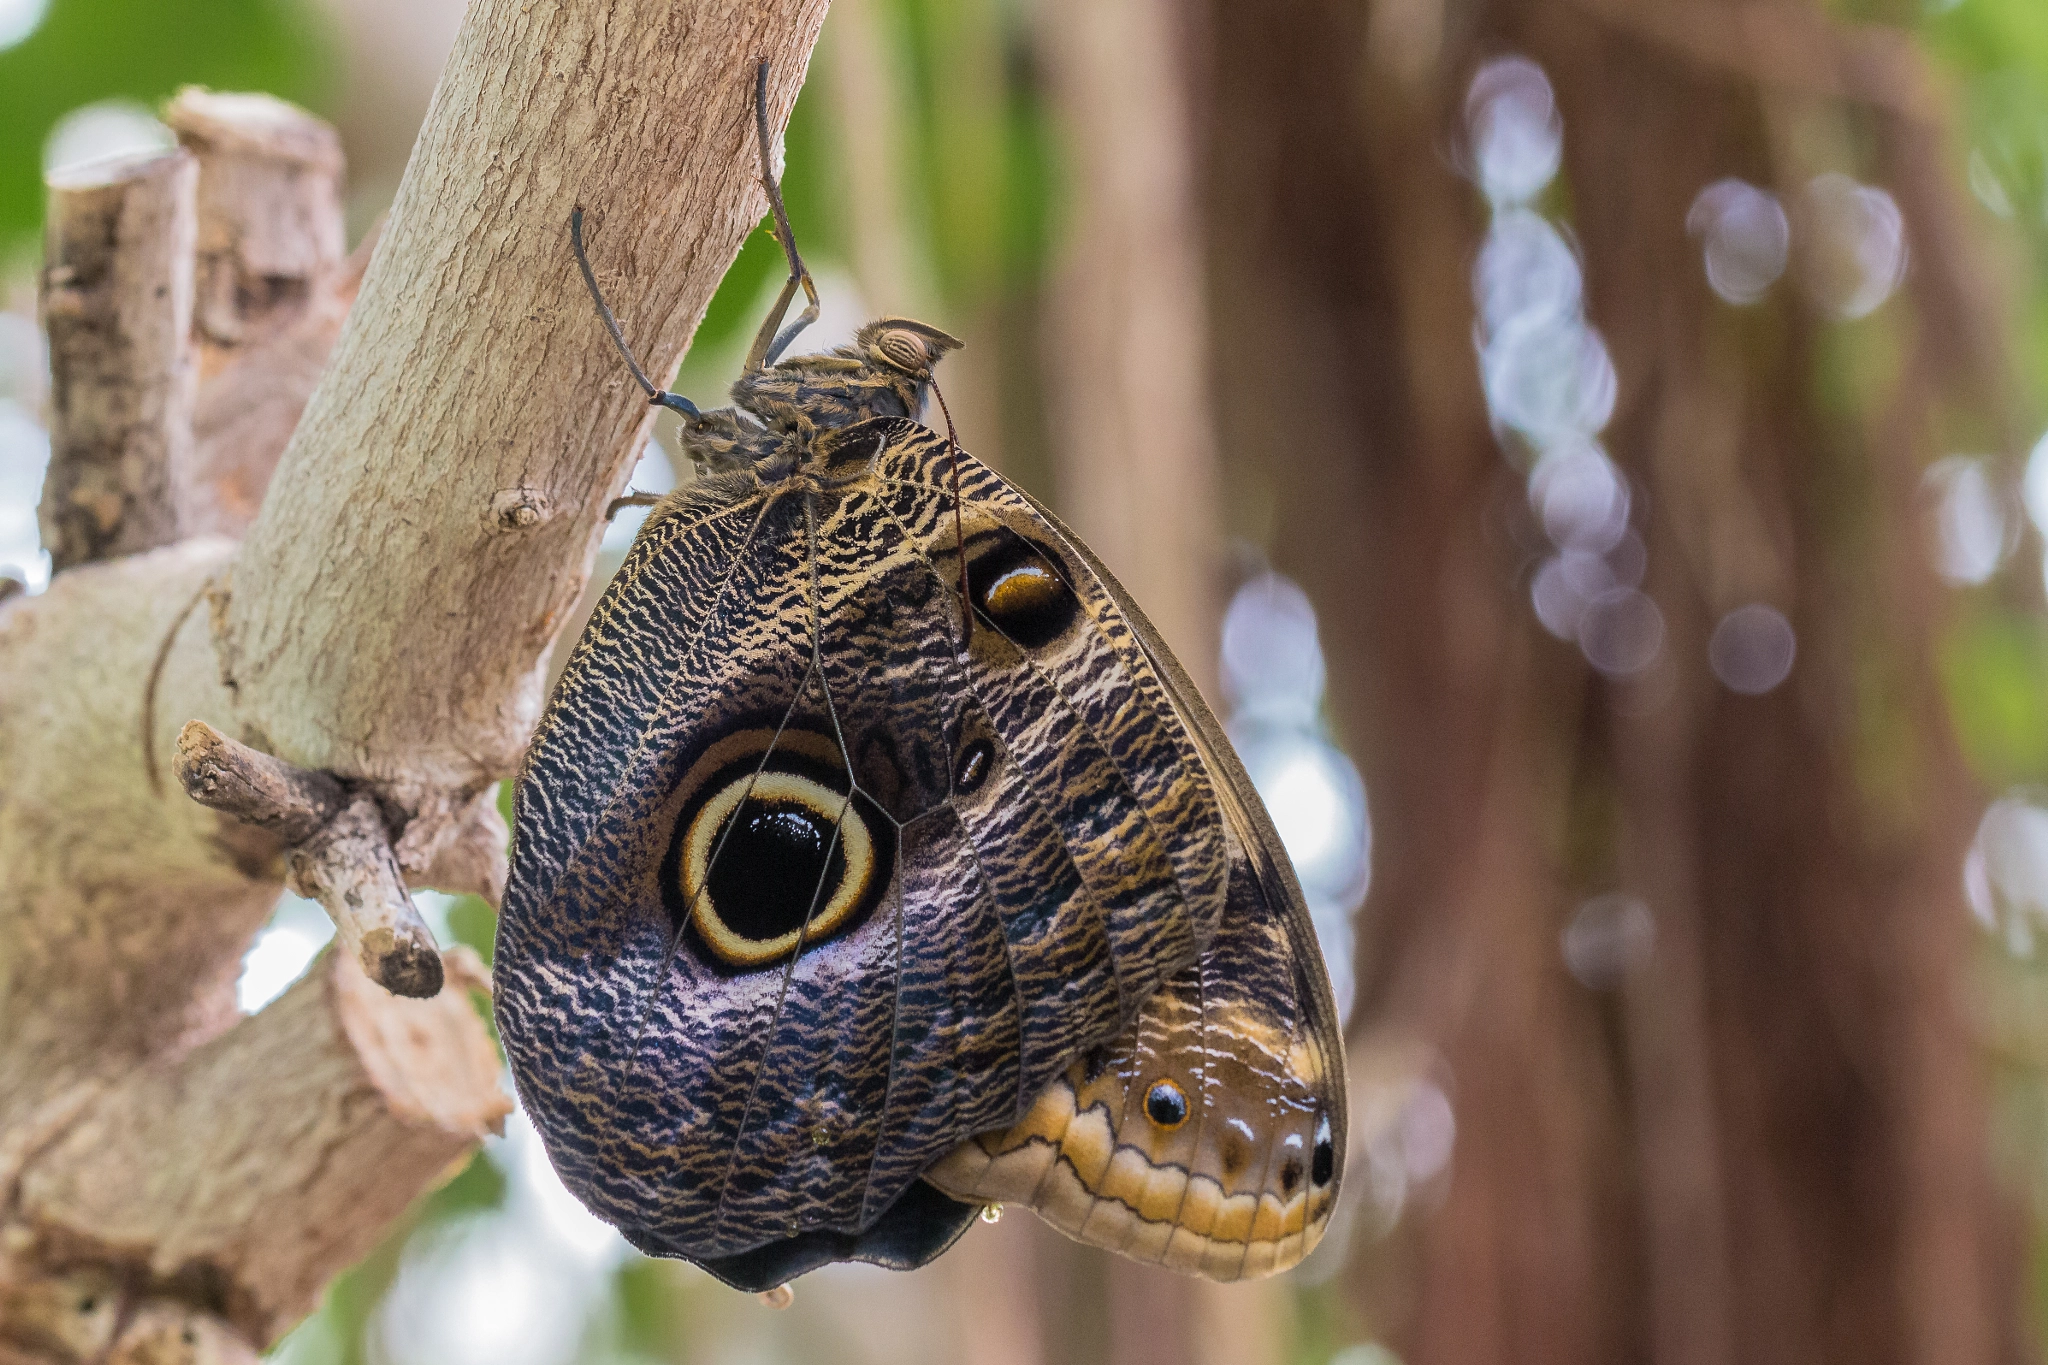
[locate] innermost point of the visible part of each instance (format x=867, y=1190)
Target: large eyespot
x=770, y=855
x=1323, y=1164
x=1019, y=587
x=1166, y=1104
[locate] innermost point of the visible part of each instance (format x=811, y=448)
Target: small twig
x=341, y=852
x=349, y=868
x=253, y=787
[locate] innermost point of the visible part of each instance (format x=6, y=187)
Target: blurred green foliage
x=85, y=51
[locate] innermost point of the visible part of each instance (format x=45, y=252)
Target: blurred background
x=1608, y=432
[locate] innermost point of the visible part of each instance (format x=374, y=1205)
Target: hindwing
x=810, y=885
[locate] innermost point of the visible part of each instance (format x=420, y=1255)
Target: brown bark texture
x=189, y=722
x=1770, y=1142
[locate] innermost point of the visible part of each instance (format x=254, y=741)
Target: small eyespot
x=977, y=760
x=1166, y=1104
x=1290, y=1175
x=1325, y=1160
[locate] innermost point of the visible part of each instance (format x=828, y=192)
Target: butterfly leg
x=768, y=345
x=620, y=504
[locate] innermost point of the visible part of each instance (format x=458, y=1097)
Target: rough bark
x=117, y=303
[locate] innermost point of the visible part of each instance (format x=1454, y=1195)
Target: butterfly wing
x=804, y=893
x=1210, y=1135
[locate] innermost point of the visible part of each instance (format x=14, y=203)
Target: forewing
x=1209, y=1136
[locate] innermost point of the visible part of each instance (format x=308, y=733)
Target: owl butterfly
x=876, y=863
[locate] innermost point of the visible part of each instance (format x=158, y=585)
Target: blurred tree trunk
x=1770, y=1143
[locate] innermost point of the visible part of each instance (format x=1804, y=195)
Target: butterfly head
x=906, y=351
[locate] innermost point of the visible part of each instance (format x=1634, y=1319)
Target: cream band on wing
x=1231, y=1179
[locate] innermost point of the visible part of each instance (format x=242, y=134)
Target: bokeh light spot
x=1859, y=252
x=2005, y=872
x=282, y=951
x=1973, y=528
x=1580, y=497
x=1525, y=270
x=1272, y=660
x=18, y=19
x=24, y=456
x=1621, y=632
x=1608, y=937
x=1517, y=136
x=1751, y=649
x=1744, y=236
x=99, y=132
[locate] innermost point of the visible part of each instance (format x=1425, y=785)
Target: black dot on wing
x=1290, y=1175
x=1166, y=1104
x=976, y=761
x=1324, y=1163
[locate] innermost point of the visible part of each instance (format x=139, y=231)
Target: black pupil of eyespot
x=1166, y=1106
x=777, y=863
x=972, y=771
x=1325, y=1162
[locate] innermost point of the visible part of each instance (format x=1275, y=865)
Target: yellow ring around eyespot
x=1027, y=587
x=700, y=845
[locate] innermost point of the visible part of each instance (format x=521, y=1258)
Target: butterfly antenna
x=655, y=396
x=959, y=532
x=768, y=344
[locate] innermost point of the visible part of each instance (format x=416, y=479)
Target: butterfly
x=875, y=863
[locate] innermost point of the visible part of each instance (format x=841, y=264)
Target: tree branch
x=269, y=206
x=384, y=626
x=117, y=302
x=364, y=1099
x=271, y=289
x=473, y=375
